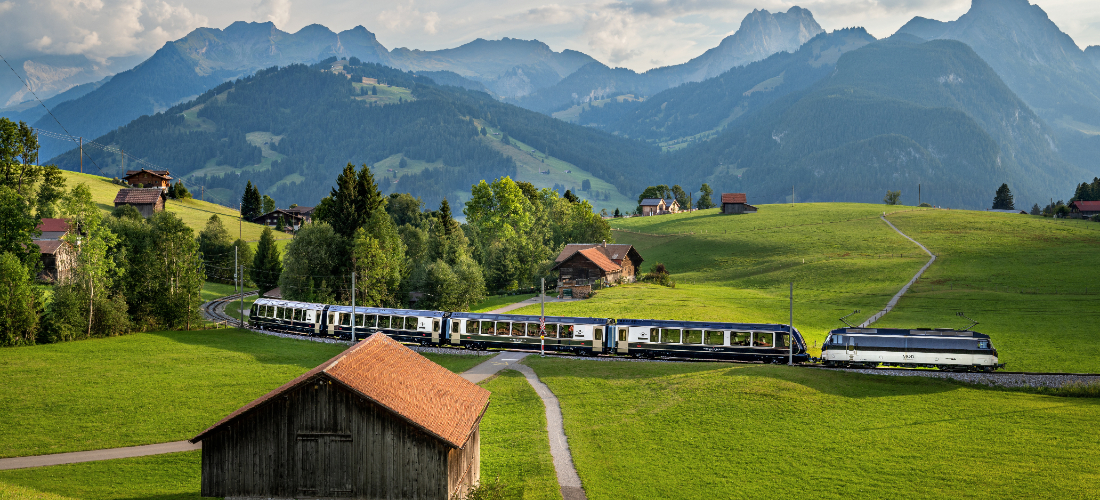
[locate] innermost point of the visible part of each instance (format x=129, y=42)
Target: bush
x=659, y=276
x=1095, y=218
x=483, y=491
x=925, y=205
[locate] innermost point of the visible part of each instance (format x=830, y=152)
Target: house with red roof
x=57, y=255
x=1084, y=209
x=147, y=201
x=736, y=203
x=581, y=266
x=376, y=421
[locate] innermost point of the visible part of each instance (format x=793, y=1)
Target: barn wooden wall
x=320, y=440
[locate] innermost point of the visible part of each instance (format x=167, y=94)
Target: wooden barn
x=581, y=265
x=149, y=178
x=146, y=200
x=376, y=421
x=292, y=218
x=736, y=203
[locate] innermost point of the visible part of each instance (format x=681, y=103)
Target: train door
x=597, y=340
x=456, y=332
x=623, y=343
x=850, y=348
x=435, y=330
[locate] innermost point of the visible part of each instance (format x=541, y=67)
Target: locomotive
x=943, y=348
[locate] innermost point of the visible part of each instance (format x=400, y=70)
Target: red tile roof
x=734, y=198
x=1087, y=206
x=613, y=251
x=597, y=257
x=409, y=385
x=139, y=196
x=54, y=226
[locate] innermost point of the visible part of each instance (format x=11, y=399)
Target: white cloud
x=276, y=11
x=405, y=15
x=98, y=29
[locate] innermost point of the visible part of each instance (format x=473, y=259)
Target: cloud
x=276, y=11
x=405, y=15
x=97, y=29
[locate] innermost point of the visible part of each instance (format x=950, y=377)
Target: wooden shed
x=580, y=266
x=376, y=421
x=145, y=200
x=149, y=178
x=736, y=203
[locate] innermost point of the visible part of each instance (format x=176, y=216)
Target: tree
x=484, y=132
x=705, y=200
x=20, y=303
x=313, y=264
x=1035, y=209
x=403, y=208
x=18, y=228
x=176, y=270
x=1003, y=199
x=586, y=185
x=617, y=213
x=251, y=204
x=268, y=204
x=267, y=264
x=216, y=247
x=244, y=259
x=659, y=191
x=891, y=197
x=572, y=198
x=403, y=163
x=352, y=202
x=681, y=197
x=378, y=260
x=280, y=225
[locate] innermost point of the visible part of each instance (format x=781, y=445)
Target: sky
x=639, y=34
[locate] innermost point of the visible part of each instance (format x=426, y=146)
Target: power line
x=29, y=89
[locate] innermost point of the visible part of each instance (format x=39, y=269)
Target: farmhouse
x=736, y=203
x=582, y=265
x=376, y=421
x=146, y=200
x=305, y=212
x=1085, y=208
x=148, y=178
x=658, y=206
x=292, y=220
x=58, y=259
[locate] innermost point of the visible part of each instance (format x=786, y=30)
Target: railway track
x=214, y=310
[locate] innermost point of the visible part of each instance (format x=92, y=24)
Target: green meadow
x=1026, y=279
x=714, y=430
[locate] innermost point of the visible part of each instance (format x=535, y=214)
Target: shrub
x=659, y=276
x=483, y=491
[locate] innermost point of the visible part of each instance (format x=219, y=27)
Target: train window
x=411, y=323
x=370, y=320
x=983, y=344
x=345, y=319
x=622, y=334
x=566, y=332
x=400, y=323
x=693, y=336
x=839, y=339
x=782, y=340
x=533, y=330
x=383, y=321
x=654, y=335
x=551, y=331
x=762, y=339
x=359, y=321
x=331, y=318
x=714, y=338
x=472, y=326
x=669, y=336
x=278, y=312
x=503, y=328
x=517, y=329
x=740, y=338
x=297, y=315
x=435, y=326
x=454, y=326
x=599, y=333
x=486, y=328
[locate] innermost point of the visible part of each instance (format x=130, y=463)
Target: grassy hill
x=194, y=213
x=1020, y=276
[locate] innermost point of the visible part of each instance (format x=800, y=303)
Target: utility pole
x=918, y=195
x=122, y=153
x=242, y=294
x=82, y=155
x=353, y=307
x=542, y=319
x=792, y=195
x=241, y=291
x=790, y=340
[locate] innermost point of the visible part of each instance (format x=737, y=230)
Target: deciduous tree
x=20, y=303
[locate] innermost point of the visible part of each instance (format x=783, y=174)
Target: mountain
x=51, y=74
x=1093, y=53
x=760, y=35
x=696, y=111
x=893, y=114
x=1036, y=60
x=508, y=67
x=290, y=130
x=203, y=59
x=30, y=111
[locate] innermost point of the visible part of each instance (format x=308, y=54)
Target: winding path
x=894, y=301
x=568, y=479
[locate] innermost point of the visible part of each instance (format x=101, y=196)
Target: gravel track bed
x=990, y=379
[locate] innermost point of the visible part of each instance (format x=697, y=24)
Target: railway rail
x=214, y=310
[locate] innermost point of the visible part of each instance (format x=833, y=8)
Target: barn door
x=325, y=465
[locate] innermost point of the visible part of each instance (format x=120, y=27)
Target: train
x=944, y=348
x=639, y=338
x=947, y=349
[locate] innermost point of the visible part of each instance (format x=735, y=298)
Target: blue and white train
x=770, y=343
x=943, y=348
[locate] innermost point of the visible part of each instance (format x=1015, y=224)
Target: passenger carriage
x=303, y=318
x=943, y=348
x=649, y=338
x=512, y=331
x=403, y=325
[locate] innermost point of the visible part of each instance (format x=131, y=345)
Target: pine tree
x=266, y=265
x=251, y=204
x=351, y=203
x=1003, y=199
x=1035, y=209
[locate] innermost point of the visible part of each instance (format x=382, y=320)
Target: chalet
x=58, y=259
x=736, y=203
x=53, y=229
x=148, y=178
x=292, y=220
x=146, y=200
x=376, y=421
x=658, y=206
x=305, y=212
x=1084, y=209
x=582, y=265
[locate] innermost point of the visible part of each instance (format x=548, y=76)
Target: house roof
x=139, y=196
x=300, y=210
x=597, y=257
x=54, y=226
x=158, y=173
x=279, y=211
x=651, y=202
x=1087, y=206
x=407, y=384
x=612, y=251
x=48, y=246
x=734, y=198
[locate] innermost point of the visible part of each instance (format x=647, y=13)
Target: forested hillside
x=290, y=130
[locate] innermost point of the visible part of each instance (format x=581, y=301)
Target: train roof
x=385, y=310
x=529, y=318
x=702, y=325
x=915, y=332
x=264, y=301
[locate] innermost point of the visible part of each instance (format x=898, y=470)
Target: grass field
x=145, y=388
x=515, y=448
x=498, y=301
x=1022, y=277
x=174, y=476
x=709, y=430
